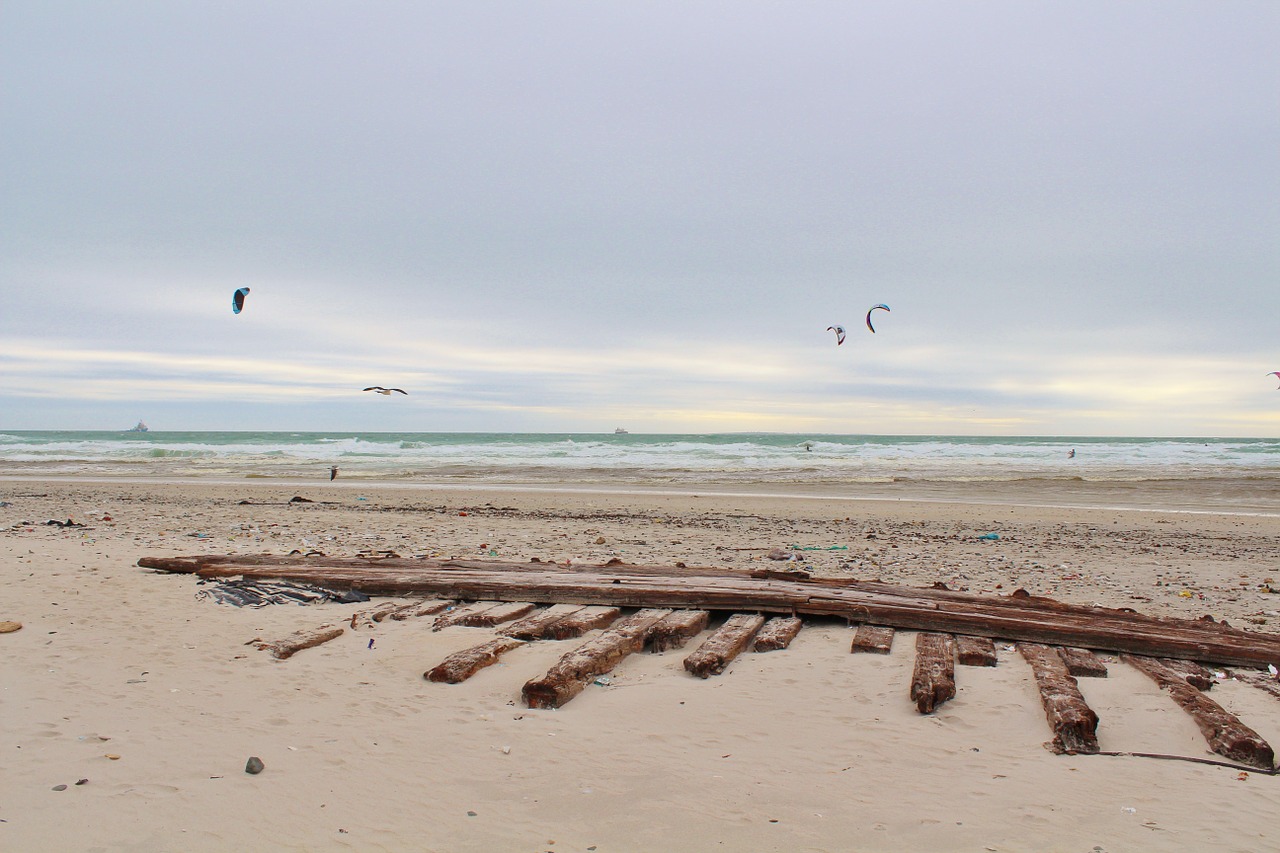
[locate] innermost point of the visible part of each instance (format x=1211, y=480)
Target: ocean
x=632, y=459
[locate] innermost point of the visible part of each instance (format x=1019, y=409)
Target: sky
x=574, y=216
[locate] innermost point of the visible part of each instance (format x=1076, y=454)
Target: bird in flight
x=385, y=391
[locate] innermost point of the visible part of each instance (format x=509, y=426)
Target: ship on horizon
x=141, y=427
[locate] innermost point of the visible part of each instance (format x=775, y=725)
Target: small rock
x=254, y=765
x=82, y=781
x=600, y=540
x=9, y=627
x=59, y=787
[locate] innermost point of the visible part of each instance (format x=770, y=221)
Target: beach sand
x=122, y=677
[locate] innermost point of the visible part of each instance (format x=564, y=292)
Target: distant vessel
x=141, y=427
x=620, y=431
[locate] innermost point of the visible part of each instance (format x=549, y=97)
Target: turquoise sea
x=633, y=459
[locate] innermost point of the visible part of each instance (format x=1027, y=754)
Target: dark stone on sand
x=59, y=787
x=254, y=765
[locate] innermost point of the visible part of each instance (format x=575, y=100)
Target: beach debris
x=460, y=666
x=881, y=307
x=934, y=678
x=598, y=656
x=386, y=392
x=839, y=330
x=370, y=643
x=777, y=633
x=603, y=681
x=1191, y=672
x=726, y=643
x=428, y=607
x=1074, y=723
x=990, y=537
x=533, y=626
x=781, y=555
x=677, y=628
x=245, y=592
x=254, y=765
x=299, y=499
x=873, y=639
x=59, y=787
x=296, y=642
x=82, y=781
x=112, y=756
x=1224, y=732
x=1082, y=663
x=68, y=523
x=975, y=651
x=8, y=627
x=237, y=300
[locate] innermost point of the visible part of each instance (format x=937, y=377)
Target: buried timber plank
x=1260, y=679
x=729, y=640
x=677, y=628
x=1082, y=663
x=294, y=643
x=460, y=614
x=975, y=651
x=430, y=607
x=1224, y=732
x=1074, y=723
x=505, y=612
x=777, y=633
x=934, y=679
x=532, y=626
x=461, y=665
x=1191, y=672
x=873, y=639
x=1020, y=617
x=579, y=623
x=569, y=676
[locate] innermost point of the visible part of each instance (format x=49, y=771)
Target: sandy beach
x=126, y=679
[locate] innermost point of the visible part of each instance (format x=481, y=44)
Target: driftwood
x=460, y=614
x=498, y=614
x=599, y=655
x=1021, y=618
x=777, y=633
x=532, y=626
x=874, y=639
x=460, y=666
x=1082, y=663
x=678, y=628
x=934, y=679
x=1074, y=723
x=976, y=651
x=1225, y=733
x=729, y=640
x=430, y=607
x=1264, y=681
x=291, y=645
x=1191, y=672
x=579, y=623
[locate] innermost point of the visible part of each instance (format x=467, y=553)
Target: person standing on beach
x=333, y=471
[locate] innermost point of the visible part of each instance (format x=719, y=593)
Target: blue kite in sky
x=237, y=300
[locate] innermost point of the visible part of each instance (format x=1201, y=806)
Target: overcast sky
x=576, y=216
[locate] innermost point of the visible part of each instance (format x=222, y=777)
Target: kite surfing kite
x=237, y=300
x=1276, y=374
x=874, y=307
x=385, y=391
x=839, y=330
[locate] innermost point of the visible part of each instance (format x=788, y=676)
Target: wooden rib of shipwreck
x=777, y=633
x=729, y=640
x=934, y=678
x=1082, y=663
x=872, y=639
x=294, y=643
x=975, y=651
x=461, y=665
x=598, y=656
x=1074, y=723
x=1225, y=733
x=677, y=628
x=1018, y=617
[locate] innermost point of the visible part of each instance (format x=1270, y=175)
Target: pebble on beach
x=254, y=765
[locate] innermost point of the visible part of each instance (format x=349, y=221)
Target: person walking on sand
x=333, y=472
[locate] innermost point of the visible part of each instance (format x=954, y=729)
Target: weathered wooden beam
x=430, y=607
x=1073, y=722
x=460, y=614
x=505, y=612
x=873, y=639
x=1191, y=672
x=532, y=626
x=975, y=651
x=777, y=633
x=579, y=623
x=934, y=679
x=461, y=665
x=1224, y=732
x=599, y=655
x=1082, y=663
x=294, y=643
x=1021, y=618
x=677, y=628
x=1263, y=680
x=729, y=640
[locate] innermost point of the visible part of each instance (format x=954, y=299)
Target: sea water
x=634, y=459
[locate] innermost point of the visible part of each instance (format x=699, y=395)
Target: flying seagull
x=385, y=391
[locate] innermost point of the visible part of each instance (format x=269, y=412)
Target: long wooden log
x=1264, y=681
x=461, y=665
x=1191, y=672
x=505, y=612
x=1073, y=722
x=677, y=628
x=1225, y=733
x=294, y=643
x=532, y=626
x=729, y=640
x=872, y=639
x=599, y=655
x=460, y=614
x=1021, y=618
x=576, y=624
x=934, y=679
x=976, y=651
x=430, y=607
x=1082, y=663
x=777, y=633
